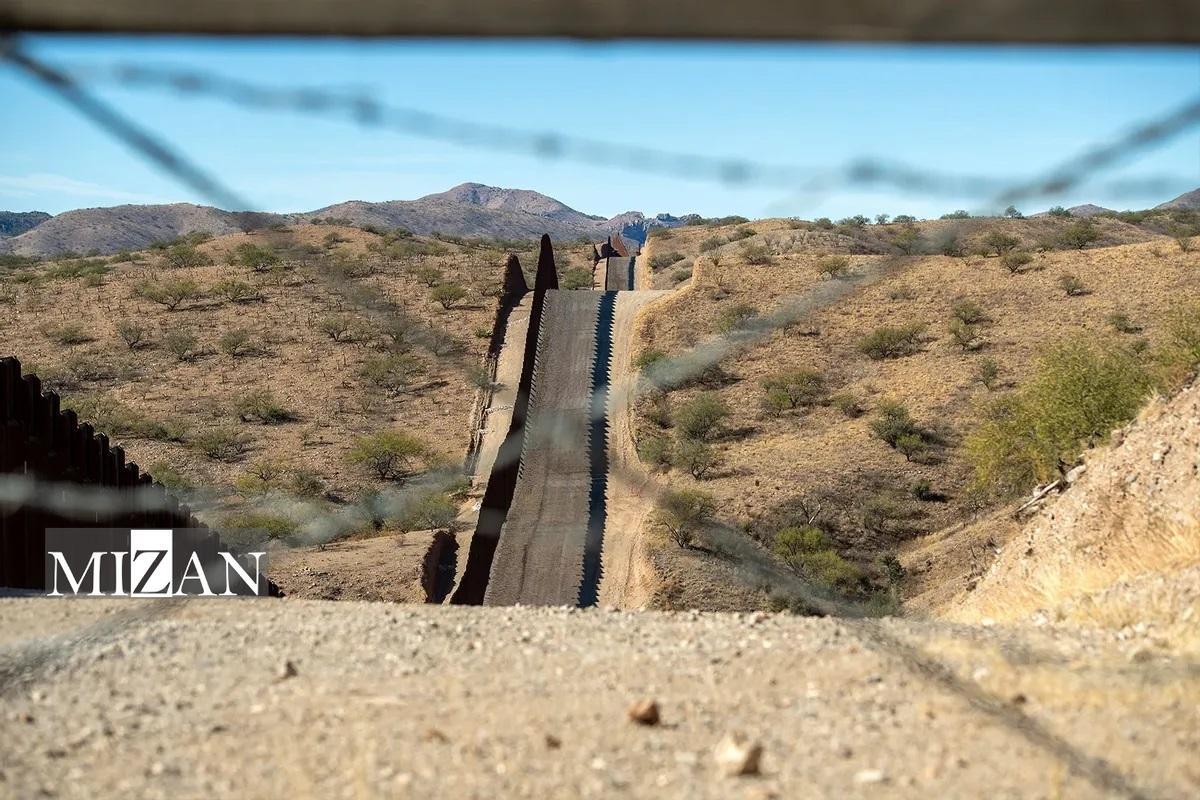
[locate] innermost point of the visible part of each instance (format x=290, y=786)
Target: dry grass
x=305, y=370
x=821, y=454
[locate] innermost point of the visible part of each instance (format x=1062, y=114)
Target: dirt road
x=194, y=700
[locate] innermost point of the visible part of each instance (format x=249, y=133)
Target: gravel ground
x=196, y=699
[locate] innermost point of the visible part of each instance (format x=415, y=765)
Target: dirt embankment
x=1122, y=546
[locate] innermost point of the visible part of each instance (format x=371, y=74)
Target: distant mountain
x=470, y=209
x=14, y=223
x=1186, y=200
x=108, y=230
x=1089, y=210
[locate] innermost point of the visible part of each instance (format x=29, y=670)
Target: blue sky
x=1003, y=112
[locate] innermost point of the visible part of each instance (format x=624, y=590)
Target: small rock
x=552, y=742
x=737, y=755
x=865, y=776
x=1019, y=699
x=288, y=670
x=1075, y=473
x=435, y=735
x=644, y=712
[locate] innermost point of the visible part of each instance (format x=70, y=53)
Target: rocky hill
x=14, y=223
x=470, y=209
x=1186, y=200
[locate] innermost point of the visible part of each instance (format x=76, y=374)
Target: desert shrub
x=1121, y=323
x=892, y=341
x=656, y=408
x=681, y=275
x=888, y=515
x=67, y=334
x=1079, y=235
x=576, y=278
x=1079, y=392
x=261, y=406
x=923, y=491
x=948, y=244
x=1060, y=212
x=220, y=444
x=1000, y=242
x=388, y=454
x=683, y=514
x=428, y=512
x=959, y=214
x=395, y=373
x=430, y=276
x=182, y=344
x=833, y=266
x=305, y=483
x=656, y=451
x=332, y=239
x=756, y=254
x=440, y=342
x=648, y=357
x=1015, y=260
x=235, y=291
x=170, y=477
x=255, y=257
x=664, y=260
x=695, y=457
x=736, y=317
x=965, y=335
x=171, y=292
x=447, y=294
x=968, y=312
x=236, y=343
x=827, y=568
x=1185, y=243
x=1071, y=284
x=792, y=544
x=338, y=327
x=711, y=243
x=988, y=372
x=259, y=478
x=117, y=419
x=184, y=254
x=847, y=403
x=893, y=421
x=911, y=445
x=908, y=240
x=134, y=334
x=741, y=233
x=702, y=417
x=793, y=389
x=78, y=268
x=1179, y=355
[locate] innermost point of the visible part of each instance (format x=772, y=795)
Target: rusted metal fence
x=48, y=444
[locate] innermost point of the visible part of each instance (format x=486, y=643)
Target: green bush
x=117, y=419
x=235, y=291
x=1015, y=260
x=430, y=511
x=576, y=278
x=255, y=257
x=756, y=254
x=447, y=295
x=988, y=372
x=274, y=526
x=1179, y=355
x=132, y=333
x=702, y=417
x=395, y=373
x=430, y=276
x=833, y=266
x=695, y=457
x=184, y=254
x=892, y=341
x=170, y=477
x=1079, y=235
x=220, y=444
x=892, y=422
x=1000, y=242
x=338, y=327
x=261, y=406
x=847, y=403
x=1072, y=285
x=67, y=334
x=236, y=343
x=1121, y=323
x=259, y=478
x=793, y=389
x=389, y=454
x=965, y=335
x=656, y=452
x=792, y=544
x=1079, y=392
x=969, y=312
x=182, y=344
x=711, y=243
x=684, y=513
x=736, y=317
x=663, y=260
x=171, y=293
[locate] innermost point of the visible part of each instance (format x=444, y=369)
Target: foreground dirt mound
x=1122, y=546
x=348, y=700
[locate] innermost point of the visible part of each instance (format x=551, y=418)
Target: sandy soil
x=195, y=700
x=387, y=568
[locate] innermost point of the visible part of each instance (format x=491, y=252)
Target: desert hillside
x=832, y=381
x=254, y=363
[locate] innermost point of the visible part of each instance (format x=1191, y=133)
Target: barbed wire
x=367, y=111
